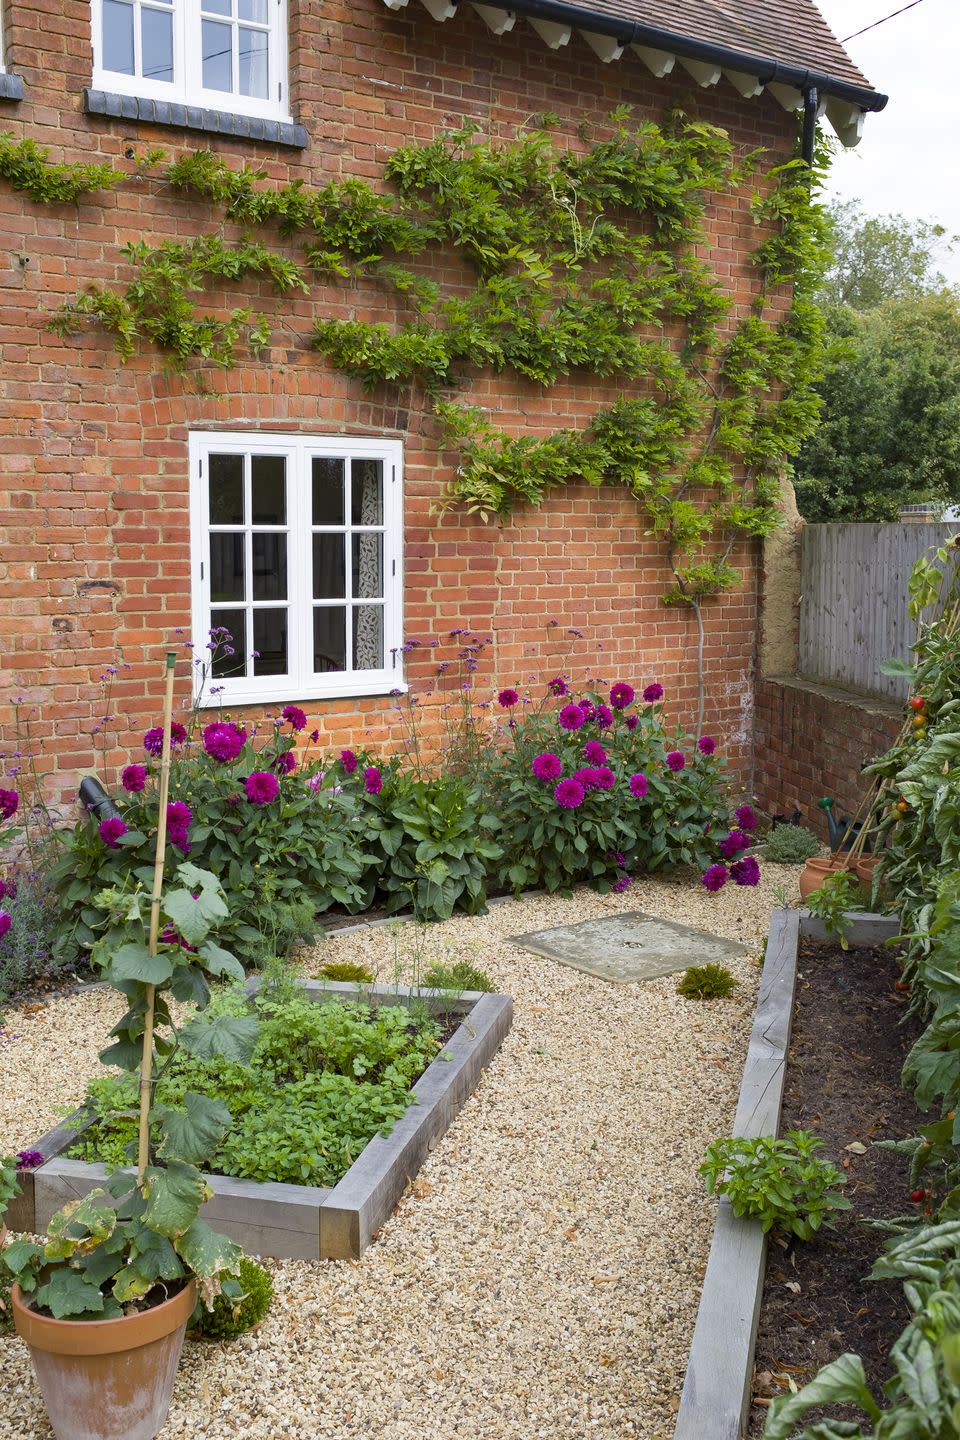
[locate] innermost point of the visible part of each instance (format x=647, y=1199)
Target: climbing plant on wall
x=573, y=262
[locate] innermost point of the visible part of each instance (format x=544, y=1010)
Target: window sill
x=11, y=86
x=190, y=117
x=283, y=694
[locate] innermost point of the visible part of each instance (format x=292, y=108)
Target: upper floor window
x=296, y=550
x=215, y=54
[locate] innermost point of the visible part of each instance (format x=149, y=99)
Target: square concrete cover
x=629, y=948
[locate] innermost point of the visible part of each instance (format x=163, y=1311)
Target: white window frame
x=187, y=85
x=301, y=682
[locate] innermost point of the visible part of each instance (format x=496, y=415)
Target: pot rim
x=102, y=1337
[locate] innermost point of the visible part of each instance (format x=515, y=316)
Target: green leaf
x=194, y=1135
x=841, y=1383
x=208, y=1253
x=174, y=1195
x=134, y=962
x=227, y=1037
x=68, y=1295
x=125, y=1054
x=187, y=914
x=220, y=962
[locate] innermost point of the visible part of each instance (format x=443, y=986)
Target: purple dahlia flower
x=262, y=787
x=571, y=717
x=745, y=817
x=111, y=830
x=706, y=744
x=732, y=843
x=638, y=786
x=715, y=878
x=547, y=766
x=349, y=761
x=745, y=871
x=294, y=716
x=223, y=741
x=134, y=778
x=595, y=753
x=372, y=780
x=153, y=739
x=9, y=803
x=675, y=761
x=653, y=693
x=507, y=699
x=569, y=794
x=621, y=695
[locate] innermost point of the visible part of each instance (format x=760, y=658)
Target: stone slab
x=302, y=1221
x=629, y=948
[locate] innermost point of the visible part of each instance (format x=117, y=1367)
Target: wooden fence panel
x=853, y=604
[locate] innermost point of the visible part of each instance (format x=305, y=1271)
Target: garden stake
x=143, y=1147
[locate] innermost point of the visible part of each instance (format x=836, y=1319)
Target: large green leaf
x=187, y=915
x=134, y=962
x=207, y=1253
x=174, y=1195
x=226, y=1037
x=81, y=1225
x=841, y=1383
x=68, y=1295
x=194, y=1134
x=220, y=962
x=125, y=1054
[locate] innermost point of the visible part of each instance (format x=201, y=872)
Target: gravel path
x=542, y=1277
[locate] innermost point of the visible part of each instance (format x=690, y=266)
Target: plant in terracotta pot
x=104, y=1302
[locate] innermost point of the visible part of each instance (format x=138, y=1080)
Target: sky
x=908, y=160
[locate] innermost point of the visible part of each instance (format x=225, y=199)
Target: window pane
x=226, y=567
x=368, y=637
x=118, y=37
x=269, y=566
x=156, y=41
x=226, y=489
x=367, y=566
x=255, y=10
x=217, y=56
x=328, y=574
x=216, y=7
x=270, y=642
x=254, y=60
x=329, y=639
x=223, y=664
x=327, y=491
x=366, y=499
x=268, y=479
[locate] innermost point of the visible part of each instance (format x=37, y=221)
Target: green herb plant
x=458, y=977
x=706, y=982
x=790, y=845
x=233, y=1314
x=780, y=1182
x=346, y=971
x=837, y=896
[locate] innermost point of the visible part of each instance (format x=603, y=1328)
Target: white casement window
x=296, y=548
x=213, y=54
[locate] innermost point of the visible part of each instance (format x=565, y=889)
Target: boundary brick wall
x=93, y=453
x=811, y=741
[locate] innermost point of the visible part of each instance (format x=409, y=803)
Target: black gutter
x=630, y=32
x=811, y=104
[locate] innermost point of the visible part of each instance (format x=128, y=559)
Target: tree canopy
x=882, y=257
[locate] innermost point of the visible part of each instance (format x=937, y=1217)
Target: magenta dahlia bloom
x=653, y=693
x=745, y=817
x=29, y=1159
x=134, y=778
x=262, y=787
x=569, y=794
x=294, y=716
x=624, y=883
x=349, y=761
x=153, y=739
x=507, y=699
x=179, y=817
x=111, y=830
x=621, y=695
x=547, y=766
x=732, y=843
x=571, y=717
x=595, y=753
x=587, y=778
x=587, y=709
x=6, y=920
x=675, y=761
x=603, y=716
x=631, y=721
x=8, y=889
x=638, y=786
x=715, y=878
x=314, y=736
x=223, y=741
x=706, y=745
x=285, y=764
x=605, y=778
x=745, y=871
x=9, y=803
x=557, y=686
x=372, y=780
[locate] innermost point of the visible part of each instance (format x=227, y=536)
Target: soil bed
x=843, y=1082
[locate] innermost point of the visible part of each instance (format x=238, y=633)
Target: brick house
x=124, y=486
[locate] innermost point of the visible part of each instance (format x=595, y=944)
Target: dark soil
x=843, y=1083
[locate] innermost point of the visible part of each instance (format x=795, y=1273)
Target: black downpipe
x=811, y=103
x=94, y=798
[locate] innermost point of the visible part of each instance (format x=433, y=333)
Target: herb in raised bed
x=778, y=1182
x=323, y=1080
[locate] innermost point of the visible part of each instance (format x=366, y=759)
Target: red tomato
x=917, y=702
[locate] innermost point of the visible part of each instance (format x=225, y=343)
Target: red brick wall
x=93, y=460
x=811, y=741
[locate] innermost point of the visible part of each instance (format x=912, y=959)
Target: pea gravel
x=541, y=1277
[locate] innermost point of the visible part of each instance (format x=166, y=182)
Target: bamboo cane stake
x=146, y=1062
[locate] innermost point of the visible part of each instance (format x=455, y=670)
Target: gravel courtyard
x=542, y=1276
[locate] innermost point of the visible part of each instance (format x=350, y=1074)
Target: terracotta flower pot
x=816, y=870
x=864, y=868
x=107, y=1379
